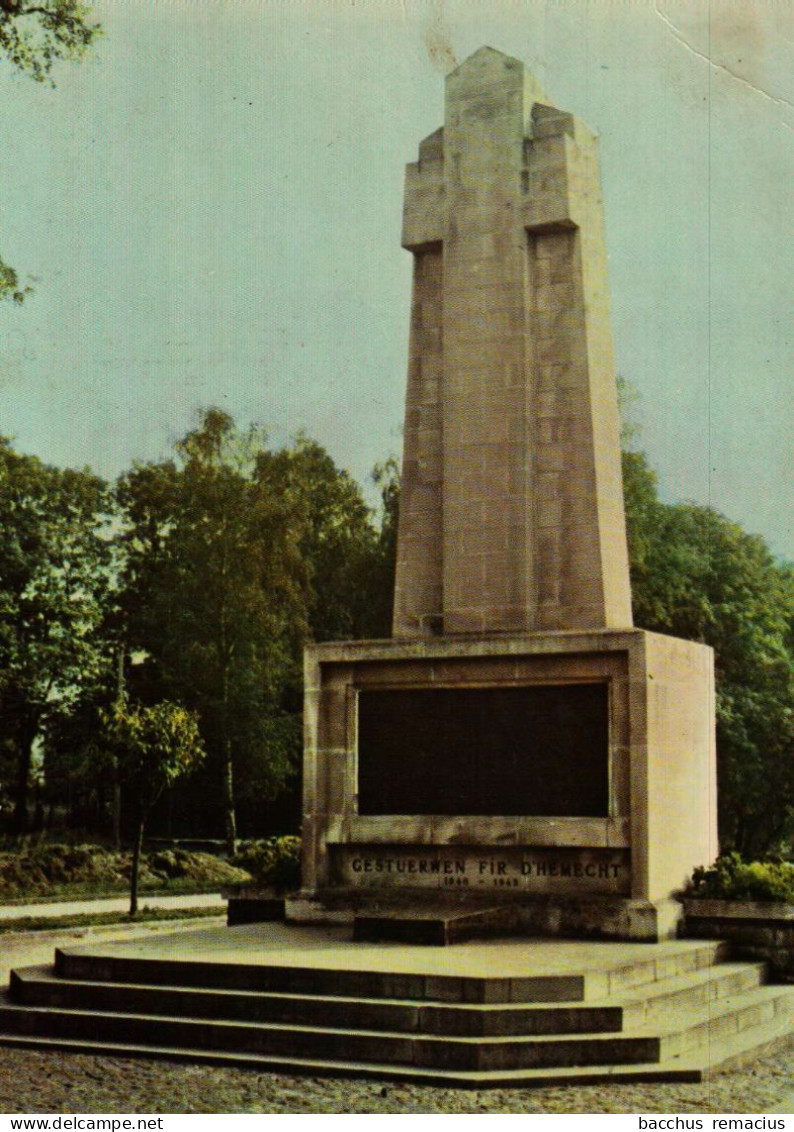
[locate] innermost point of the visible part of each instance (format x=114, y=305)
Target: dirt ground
x=38, y=1082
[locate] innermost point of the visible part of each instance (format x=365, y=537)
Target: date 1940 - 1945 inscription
x=498, y=872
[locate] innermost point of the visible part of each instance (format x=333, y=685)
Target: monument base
x=421, y=919
x=569, y=777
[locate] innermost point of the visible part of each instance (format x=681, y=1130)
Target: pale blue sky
x=212, y=205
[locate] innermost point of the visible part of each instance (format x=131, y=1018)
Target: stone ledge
x=738, y=909
x=754, y=930
x=574, y=916
x=479, y=645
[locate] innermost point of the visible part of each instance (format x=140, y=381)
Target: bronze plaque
x=535, y=751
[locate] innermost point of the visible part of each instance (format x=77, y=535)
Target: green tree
x=697, y=575
x=54, y=578
x=79, y=780
x=234, y=556
x=152, y=748
x=345, y=557
x=380, y=573
x=33, y=37
x=213, y=593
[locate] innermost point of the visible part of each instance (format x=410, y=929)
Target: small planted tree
x=152, y=747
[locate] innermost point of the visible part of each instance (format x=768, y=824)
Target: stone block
x=618, y=658
x=332, y=711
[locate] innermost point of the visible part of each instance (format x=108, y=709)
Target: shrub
x=171, y=863
x=274, y=862
x=49, y=870
x=731, y=878
x=37, y=870
x=202, y=869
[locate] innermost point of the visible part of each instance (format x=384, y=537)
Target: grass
x=103, y=919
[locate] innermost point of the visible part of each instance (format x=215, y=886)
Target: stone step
x=693, y=991
x=657, y=968
x=586, y=986
x=330, y=981
x=323, y=1067
x=381, y=1047
x=723, y=1019
x=672, y=1037
x=434, y=927
x=39, y=987
x=697, y=1066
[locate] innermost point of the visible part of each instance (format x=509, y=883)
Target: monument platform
x=310, y=1000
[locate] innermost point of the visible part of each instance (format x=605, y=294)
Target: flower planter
x=755, y=930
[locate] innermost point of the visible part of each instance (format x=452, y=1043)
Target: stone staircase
x=678, y=1016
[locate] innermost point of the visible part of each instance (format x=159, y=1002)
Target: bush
x=731, y=878
x=46, y=867
x=191, y=866
x=273, y=863
x=171, y=863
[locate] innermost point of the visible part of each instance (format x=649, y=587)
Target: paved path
x=110, y=904
x=328, y=946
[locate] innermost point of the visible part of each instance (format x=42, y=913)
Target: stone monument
x=517, y=745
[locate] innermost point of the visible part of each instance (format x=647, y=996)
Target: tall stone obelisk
x=511, y=516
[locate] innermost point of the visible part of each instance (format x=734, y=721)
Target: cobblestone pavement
x=33, y=1081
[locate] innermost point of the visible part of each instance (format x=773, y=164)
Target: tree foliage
x=54, y=560
x=697, y=575
x=216, y=567
x=211, y=593
x=380, y=583
x=234, y=556
x=154, y=746
x=10, y=286
x=33, y=37
x=346, y=557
